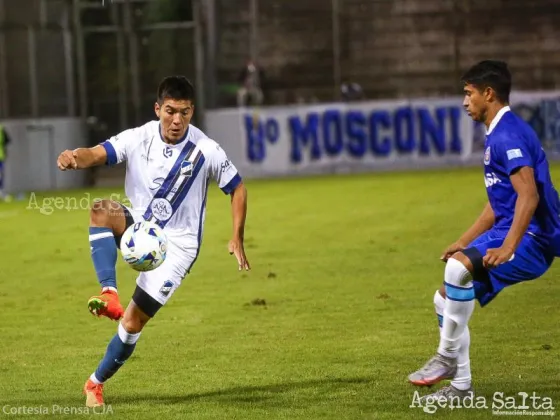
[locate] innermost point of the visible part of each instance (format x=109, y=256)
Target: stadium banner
x=362, y=136
x=542, y=111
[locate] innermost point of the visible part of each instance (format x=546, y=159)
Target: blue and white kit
x=168, y=185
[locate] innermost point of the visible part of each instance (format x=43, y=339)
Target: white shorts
x=162, y=282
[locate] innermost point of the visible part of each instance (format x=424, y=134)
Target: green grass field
x=347, y=267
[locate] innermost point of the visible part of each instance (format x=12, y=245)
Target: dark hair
x=493, y=74
x=175, y=87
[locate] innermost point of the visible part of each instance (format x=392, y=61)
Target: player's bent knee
x=101, y=206
x=100, y=211
x=457, y=273
x=108, y=213
x=463, y=259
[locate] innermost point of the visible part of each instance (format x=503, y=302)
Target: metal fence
x=392, y=48
x=124, y=49
x=36, y=67
x=102, y=59
x=98, y=59
x=273, y=35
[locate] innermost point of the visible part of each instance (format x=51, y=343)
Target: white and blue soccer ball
x=144, y=246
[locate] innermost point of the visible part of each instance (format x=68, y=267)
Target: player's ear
x=157, y=109
x=488, y=94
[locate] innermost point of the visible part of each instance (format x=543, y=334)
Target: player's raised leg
x=458, y=308
x=120, y=348
x=108, y=221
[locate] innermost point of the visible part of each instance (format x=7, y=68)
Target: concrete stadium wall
x=35, y=145
x=393, y=48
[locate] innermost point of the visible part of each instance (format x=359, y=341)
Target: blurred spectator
x=251, y=80
x=4, y=140
x=351, y=92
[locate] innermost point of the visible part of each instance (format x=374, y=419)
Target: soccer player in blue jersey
x=160, y=190
x=514, y=239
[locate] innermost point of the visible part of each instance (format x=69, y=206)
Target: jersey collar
x=179, y=142
x=497, y=119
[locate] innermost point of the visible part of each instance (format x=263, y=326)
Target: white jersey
x=168, y=184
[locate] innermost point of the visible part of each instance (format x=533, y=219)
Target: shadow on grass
x=240, y=395
x=248, y=394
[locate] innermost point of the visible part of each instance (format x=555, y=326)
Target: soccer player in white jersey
x=169, y=166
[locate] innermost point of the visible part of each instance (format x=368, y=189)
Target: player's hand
x=235, y=247
x=452, y=249
x=67, y=160
x=496, y=256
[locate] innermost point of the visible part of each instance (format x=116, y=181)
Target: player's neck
x=170, y=142
x=492, y=112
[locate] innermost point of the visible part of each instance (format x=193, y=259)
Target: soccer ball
x=144, y=246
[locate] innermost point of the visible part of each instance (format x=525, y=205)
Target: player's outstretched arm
x=239, y=214
x=82, y=158
x=483, y=223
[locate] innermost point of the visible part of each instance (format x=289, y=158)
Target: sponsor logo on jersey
x=156, y=183
x=225, y=166
x=491, y=179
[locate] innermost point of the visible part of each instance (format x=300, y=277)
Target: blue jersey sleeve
x=514, y=154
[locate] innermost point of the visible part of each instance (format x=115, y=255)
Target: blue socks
x=118, y=351
x=104, y=255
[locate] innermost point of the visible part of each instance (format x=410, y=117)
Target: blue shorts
x=531, y=260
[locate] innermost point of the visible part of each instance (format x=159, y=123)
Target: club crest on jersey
x=186, y=168
x=487, y=156
x=161, y=209
x=166, y=288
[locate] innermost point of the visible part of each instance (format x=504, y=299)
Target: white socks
x=459, y=306
x=439, y=305
x=462, y=379
x=126, y=337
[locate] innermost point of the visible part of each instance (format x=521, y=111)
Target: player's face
x=475, y=102
x=175, y=117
